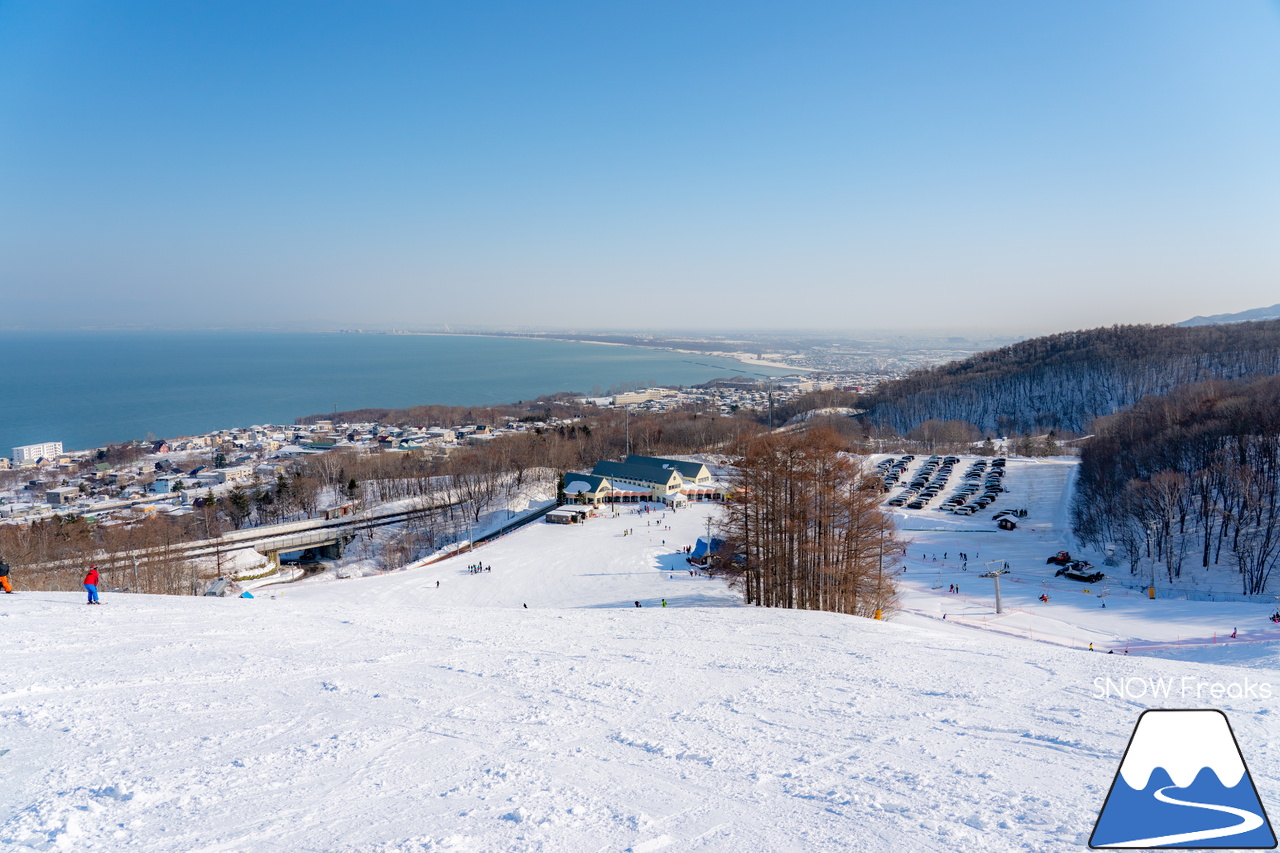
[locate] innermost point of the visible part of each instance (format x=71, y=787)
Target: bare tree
x=806, y=527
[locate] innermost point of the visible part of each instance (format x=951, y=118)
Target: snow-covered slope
x=389, y=714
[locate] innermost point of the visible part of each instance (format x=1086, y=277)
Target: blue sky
x=998, y=165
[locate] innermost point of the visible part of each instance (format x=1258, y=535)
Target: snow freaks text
x=1184, y=687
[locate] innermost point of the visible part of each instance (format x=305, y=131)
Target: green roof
x=643, y=473
x=688, y=470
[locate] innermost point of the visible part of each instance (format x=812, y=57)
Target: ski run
x=533, y=707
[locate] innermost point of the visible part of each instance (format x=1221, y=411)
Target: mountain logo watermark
x=1183, y=783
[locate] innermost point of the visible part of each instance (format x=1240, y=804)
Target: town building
x=62, y=496
x=644, y=478
x=29, y=454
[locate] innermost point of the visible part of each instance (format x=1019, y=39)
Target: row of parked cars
x=983, y=483
x=927, y=484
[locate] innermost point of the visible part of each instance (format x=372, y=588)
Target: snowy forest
x=1191, y=478
x=1063, y=382
x=804, y=528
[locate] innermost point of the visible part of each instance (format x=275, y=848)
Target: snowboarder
x=664, y=602
x=437, y=584
x=91, y=585
x=1233, y=633
x=526, y=607
x=1091, y=647
x=4, y=577
x=637, y=604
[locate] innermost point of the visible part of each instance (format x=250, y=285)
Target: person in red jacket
x=91, y=585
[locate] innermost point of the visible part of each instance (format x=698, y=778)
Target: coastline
x=741, y=358
x=242, y=378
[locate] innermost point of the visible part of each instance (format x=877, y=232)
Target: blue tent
x=705, y=548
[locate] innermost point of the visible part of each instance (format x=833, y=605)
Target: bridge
x=331, y=536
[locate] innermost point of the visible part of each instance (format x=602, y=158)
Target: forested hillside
x=1189, y=479
x=1066, y=380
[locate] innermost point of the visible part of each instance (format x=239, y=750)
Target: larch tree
x=805, y=527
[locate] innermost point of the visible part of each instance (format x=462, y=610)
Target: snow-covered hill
x=392, y=714
x=1253, y=314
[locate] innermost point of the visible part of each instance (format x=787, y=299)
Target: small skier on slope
x=91, y=585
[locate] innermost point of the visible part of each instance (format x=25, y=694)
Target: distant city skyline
x=997, y=167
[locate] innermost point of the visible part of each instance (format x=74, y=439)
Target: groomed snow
x=389, y=714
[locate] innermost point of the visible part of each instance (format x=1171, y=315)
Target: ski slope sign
x=1183, y=783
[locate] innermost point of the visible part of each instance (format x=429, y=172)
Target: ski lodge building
x=644, y=478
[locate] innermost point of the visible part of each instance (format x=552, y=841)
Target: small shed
x=1007, y=522
x=568, y=515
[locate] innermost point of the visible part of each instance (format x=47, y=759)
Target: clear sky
x=1031, y=166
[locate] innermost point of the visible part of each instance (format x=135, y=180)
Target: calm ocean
x=87, y=389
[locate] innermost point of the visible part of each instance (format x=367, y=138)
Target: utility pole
x=995, y=574
x=879, y=614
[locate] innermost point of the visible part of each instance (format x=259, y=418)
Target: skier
x=1233, y=633
x=437, y=584
x=1091, y=647
x=4, y=576
x=91, y=585
x=637, y=604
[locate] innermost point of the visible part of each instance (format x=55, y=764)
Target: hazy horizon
x=994, y=168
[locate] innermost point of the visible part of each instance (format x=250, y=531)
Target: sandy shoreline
x=741, y=358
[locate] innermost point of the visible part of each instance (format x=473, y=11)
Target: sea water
x=87, y=389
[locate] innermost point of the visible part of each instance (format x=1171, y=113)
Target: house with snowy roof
x=587, y=488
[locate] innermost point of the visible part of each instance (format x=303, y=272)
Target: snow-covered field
x=388, y=713
x=1075, y=614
